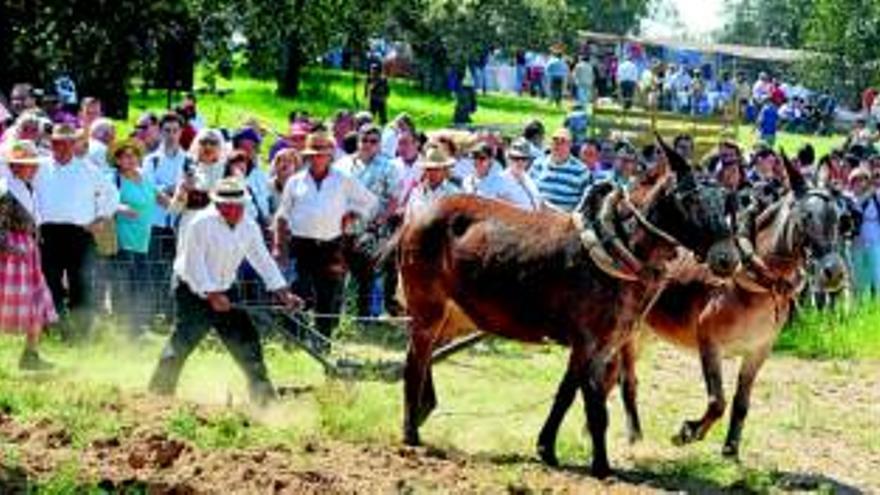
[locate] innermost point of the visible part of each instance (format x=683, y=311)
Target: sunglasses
x=370, y=141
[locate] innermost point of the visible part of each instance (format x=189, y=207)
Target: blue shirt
x=767, y=120
x=133, y=234
x=561, y=184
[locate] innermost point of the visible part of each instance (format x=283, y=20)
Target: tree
x=846, y=36
x=778, y=23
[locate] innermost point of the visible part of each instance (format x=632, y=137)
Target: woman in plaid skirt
x=25, y=301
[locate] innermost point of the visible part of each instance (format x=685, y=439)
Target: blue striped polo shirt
x=560, y=184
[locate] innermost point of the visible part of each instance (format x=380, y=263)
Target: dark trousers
x=321, y=268
x=627, y=93
x=130, y=290
x=68, y=251
x=379, y=109
x=194, y=318
x=160, y=257
x=363, y=275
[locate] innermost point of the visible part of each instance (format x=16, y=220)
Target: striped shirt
x=561, y=184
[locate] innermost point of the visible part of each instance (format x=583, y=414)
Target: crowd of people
x=186, y=209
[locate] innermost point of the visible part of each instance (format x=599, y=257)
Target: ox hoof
x=600, y=470
x=548, y=455
x=411, y=438
x=687, y=434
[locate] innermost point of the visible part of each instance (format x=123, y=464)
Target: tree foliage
x=778, y=23
x=846, y=34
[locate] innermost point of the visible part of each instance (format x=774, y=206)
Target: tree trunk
x=289, y=79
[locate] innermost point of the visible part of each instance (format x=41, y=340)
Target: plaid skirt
x=25, y=301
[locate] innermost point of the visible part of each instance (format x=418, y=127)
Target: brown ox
x=742, y=318
x=471, y=263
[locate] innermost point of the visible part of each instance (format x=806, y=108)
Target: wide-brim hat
x=319, y=143
x=22, y=153
x=65, y=132
x=435, y=158
x=230, y=190
x=519, y=148
x=130, y=144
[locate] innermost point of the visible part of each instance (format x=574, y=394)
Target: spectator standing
x=560, y=177
x=523, y=191
x=165, y=169
x=285, y=165
x=22, y=99
x=74, y=200
x=377, y=91
x=248, y=140
x=137, y=204
x=557, y=72
x=378, y=175
x=204, y=276
x=25, y=300
x=588, y=153
x=584, y=79
x=577, y=122
x=408, y=172
x=102, y=135
x=866, y=245
x=485, y=180
x=627, y=79
x=147, y=132
x=309, y=226
x=768, y=122
x=435, y=184
x=90, y=110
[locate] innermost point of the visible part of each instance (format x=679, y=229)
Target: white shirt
x=583, y=74
x=408, y=178
x=97, y=154
x=464, y=168
x=521, y=191
x=76, y=193
x=165, y=172
x=205, y=268
x=316, y=212
x=423, y=197
x=627, y=71
x=10, y=184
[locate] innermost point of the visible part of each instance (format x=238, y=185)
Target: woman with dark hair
x=25, y=300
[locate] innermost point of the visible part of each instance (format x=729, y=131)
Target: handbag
x=106, y=242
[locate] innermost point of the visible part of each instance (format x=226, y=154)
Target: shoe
x=31, y=361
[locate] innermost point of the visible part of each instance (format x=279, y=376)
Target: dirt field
x=814, y=426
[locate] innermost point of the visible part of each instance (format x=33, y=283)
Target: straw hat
x=23, y=153
x=319, y=143
x=65, y=132
x=129, y=144
x=230, y=190
x=435, y=159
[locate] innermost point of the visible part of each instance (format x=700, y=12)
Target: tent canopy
x=765, y=53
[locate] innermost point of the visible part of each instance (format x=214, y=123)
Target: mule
x=744, y=318
x=470, y=263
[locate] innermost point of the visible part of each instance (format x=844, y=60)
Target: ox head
x=817, y=227
x=700, y=214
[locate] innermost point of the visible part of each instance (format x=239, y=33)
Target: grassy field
x=324, y=92
x=814, y=426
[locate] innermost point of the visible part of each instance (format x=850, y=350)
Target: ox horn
x=795, y=178
x=676, y=162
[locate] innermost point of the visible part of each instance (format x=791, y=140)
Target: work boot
x=31, y=361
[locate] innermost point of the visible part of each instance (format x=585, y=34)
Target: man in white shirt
x=485, y=180
x=204, y=277
x=74, y=201
x=435, y=182
x=165, y=169
x=521, y=190
x=317, y=205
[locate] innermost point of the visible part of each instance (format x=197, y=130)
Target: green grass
x=842, y=335
x=326, y=91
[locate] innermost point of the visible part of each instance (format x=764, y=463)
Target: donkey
x=472, y=263
x=743, y=318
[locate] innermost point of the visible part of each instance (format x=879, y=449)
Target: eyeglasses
x=370, y=141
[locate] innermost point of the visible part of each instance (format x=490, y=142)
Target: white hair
x=204, y=134
x=102, y=129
